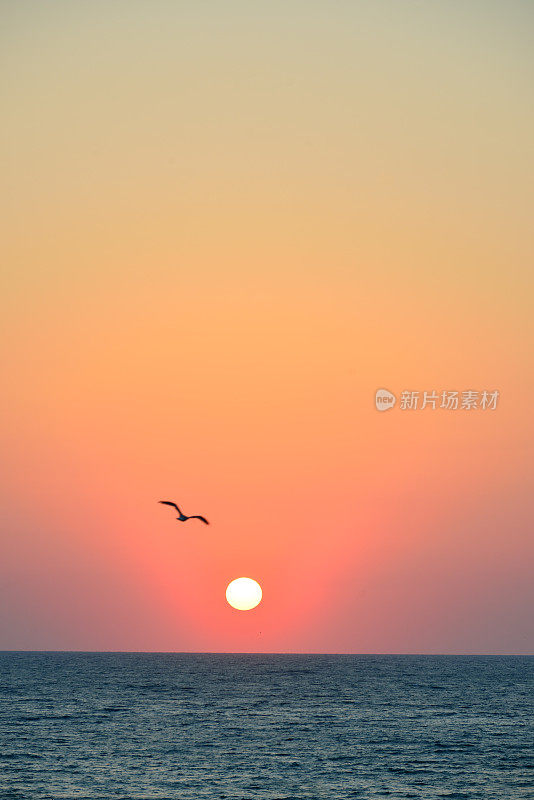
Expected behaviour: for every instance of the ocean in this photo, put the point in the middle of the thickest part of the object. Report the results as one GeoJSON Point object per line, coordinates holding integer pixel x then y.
{"type": "Point", "coordinates": [275, 727]}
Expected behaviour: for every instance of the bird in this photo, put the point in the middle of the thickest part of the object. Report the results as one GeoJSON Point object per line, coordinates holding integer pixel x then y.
{"type": "Point", "coordinates": [183, 517]}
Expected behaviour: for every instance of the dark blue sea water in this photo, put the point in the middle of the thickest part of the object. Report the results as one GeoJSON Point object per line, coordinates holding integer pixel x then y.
{"type": "Point", "coordinates": [89, 725]}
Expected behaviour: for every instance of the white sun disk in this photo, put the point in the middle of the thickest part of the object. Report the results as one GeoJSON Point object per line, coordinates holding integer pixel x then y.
{"type": "Point", "coordinates": [243, 593]}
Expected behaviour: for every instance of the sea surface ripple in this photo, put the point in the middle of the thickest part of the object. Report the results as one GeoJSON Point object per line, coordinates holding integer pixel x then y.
{"type": "Point", "coordinates": [275, 727]}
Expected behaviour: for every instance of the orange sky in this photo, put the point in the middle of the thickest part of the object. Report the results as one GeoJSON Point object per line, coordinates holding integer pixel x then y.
{"type": "Point", "coordinates": [226, 226]}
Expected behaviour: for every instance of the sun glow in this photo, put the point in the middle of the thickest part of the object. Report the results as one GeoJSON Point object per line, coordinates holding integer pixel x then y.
{"type": "Point", "coordinates": [243, 593]}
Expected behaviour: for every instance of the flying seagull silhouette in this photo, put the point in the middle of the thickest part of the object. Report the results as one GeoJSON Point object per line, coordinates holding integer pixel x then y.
{"type": "Point", "coordinates": [182, 517]}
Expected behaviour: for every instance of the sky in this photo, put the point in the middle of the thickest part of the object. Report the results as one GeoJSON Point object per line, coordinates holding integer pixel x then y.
{"type": "Point", "coordinates": [224, 226]}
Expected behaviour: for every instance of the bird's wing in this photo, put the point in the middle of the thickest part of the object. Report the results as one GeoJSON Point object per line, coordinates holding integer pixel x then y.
{"type": "Point", "coordinates": [168, 503]}
{"type": "Point", "coordinates": [197, 516]}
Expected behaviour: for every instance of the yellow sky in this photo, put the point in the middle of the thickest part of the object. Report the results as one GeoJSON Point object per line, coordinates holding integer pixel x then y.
{"type": "Point", "coordinates": [224, 226]}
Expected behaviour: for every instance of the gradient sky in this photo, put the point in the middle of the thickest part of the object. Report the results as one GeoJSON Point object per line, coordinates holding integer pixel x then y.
{"type": "Point", "coordinates": [224, 226]}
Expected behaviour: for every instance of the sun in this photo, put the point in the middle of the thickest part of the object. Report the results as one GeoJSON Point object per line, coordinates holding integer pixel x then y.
{"type": "Point", "coordinates": [244, 593]}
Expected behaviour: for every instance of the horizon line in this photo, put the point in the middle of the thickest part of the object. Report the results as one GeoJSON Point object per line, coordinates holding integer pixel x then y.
{"type": "Point", "coordinates": [269, 653]}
